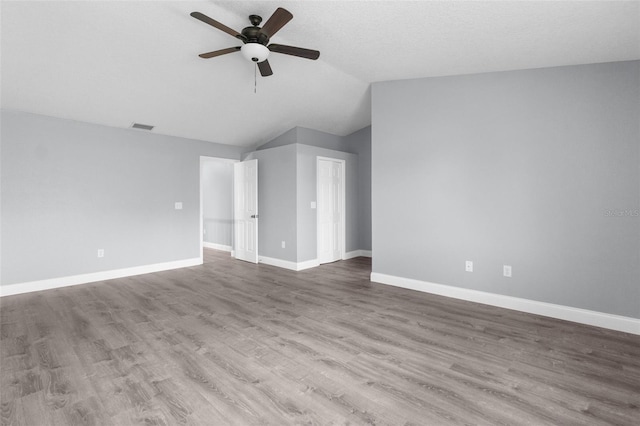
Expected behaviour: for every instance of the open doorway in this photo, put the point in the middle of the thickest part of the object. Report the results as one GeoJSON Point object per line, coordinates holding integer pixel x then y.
{"type": "Point", "coordinates": [216, 203]}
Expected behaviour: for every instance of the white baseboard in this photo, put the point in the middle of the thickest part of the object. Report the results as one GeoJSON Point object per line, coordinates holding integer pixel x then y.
{"type": "Point", "coordinates": [300, 266]}
{"type": "Point", "coordinates": [287, 264]}
{"type": "Point", "coordinates": [307, 264]}
{"type": "Point", "coordinates": [27, 287]}
{"type": "Point", "coordinates": [216, 246]}
{"type": "Point", "coordinates": [356, 253]}
{"type": "Point", "coordinates": [568, 313]}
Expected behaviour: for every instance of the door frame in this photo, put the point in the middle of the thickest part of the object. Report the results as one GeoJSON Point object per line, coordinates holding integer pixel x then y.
{"type": "Point", "coordinates": [205, 159]}
{"type": "Point", "coordinates": [343, 218]}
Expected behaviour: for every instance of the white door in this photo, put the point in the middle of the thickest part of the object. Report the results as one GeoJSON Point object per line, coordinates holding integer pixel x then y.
{"type": "Point", "coordinates": [330, 210]}
{"type": "Point", "coordinates": [245, 181]}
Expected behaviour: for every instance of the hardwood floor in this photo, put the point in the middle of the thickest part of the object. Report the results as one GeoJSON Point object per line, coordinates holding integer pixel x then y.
{"type": "Point", "coordinates": [235, 343]}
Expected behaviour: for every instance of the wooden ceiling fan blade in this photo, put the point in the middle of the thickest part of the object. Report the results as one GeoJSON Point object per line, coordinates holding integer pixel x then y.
{"type": "Point", "coordinates": [295, 51]}
{"type": "Point", "coordinates": [219, 52]}
{"type": "Point", "coordinates": [204, 18]}
{"type": "Point", "coordinates": [278, 20]}
{"type": "Point", "coordinates": [265, 68]}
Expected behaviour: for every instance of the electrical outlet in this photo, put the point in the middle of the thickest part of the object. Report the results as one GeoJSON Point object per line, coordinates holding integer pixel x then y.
{"type": "Point", "coordinates": [468, 266]}
{"type": "Point", "coordinates": [283, 244]}
{"type": "Point", "coordinates": [100, 252]}
{"type": "Point", "coordinates": [506, 270]}
{"type": "Point", "coordinates": [178, 205]}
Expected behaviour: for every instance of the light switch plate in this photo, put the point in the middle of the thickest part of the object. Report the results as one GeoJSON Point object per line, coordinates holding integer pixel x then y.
{"type": "Point", "coordinates": [313, 204]}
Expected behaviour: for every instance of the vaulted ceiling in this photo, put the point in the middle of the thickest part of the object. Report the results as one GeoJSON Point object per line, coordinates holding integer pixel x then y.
{"type": "Point", "coordinates": [119, 62]}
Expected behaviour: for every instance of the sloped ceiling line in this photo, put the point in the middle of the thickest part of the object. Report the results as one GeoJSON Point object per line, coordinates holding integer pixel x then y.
{"type": "Point", "coordinates": [114, 63]}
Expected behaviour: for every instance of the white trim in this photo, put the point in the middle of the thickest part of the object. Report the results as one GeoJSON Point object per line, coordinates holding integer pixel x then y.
{"type": "Point", "coordinates": [201, 207]}
{"type": "Point", "coordinates": [308, 264]}
{"type": "Point", "coordinates": [27, 287]}
{"type": "Point", "coordinates": [216, 246]}
{"type": "Point", "coordinates": [356, 253]}
{"type": "Point", "coordinates": [287, 264]}
{"type": "Point", "coordinates": [568, 313]}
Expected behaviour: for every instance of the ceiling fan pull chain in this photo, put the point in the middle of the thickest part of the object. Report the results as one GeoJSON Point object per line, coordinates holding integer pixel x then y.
{"type": "Point", "coordinates": [255, 79]}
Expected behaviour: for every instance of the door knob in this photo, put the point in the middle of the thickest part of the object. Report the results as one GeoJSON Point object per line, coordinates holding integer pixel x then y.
{"type": "Point", "coordinates": [254, 216]}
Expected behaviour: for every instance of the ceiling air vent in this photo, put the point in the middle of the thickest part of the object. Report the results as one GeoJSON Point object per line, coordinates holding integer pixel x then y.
{"type": "Point", "coordinates": [141, 126]}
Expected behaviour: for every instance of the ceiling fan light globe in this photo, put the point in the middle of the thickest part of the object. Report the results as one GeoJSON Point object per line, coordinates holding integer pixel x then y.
{"type": "Point", "coordinates": [255, 52]}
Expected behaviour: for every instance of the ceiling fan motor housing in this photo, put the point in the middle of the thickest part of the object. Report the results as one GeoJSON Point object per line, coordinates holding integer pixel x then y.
{"type": "Point", "coordinates": [255, 48]}
{"type": "Point", "coordinates": [254, 35]}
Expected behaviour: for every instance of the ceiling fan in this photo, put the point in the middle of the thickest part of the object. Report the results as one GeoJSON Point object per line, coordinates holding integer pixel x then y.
{"type": "Point", "coordinates": [256, 46]}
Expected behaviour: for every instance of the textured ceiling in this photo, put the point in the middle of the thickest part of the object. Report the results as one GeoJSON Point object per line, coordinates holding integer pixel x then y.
{"type": "Point", "coordinates": [119, 62]}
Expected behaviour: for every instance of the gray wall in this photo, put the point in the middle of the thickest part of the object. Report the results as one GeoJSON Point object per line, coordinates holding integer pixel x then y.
{"type": "Point", "coordinates": [287, 138]}
{"type": "Point", "coordinates": [70, 188]}
{"type": "Point", "coordinates": [307, 136]}
{"type": "Point", "coordinates": [286, 188]}
{"type": "Point", "coordinates": [277, 202]}
{"type": "Point", "coordinates": [217, 201]}
{"type": "Point", "coordinates": [360, 143]}
{"type": "Point", "coordinates": [307, 191]}
{"type": "Point", "coordinates": [533, 169]}
{"type": "Point", "coordinates": [321, 139]}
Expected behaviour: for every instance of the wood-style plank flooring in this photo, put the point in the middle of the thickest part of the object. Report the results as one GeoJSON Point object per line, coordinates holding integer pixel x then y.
{"type": "Point", "coordinates": [234, 343]}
